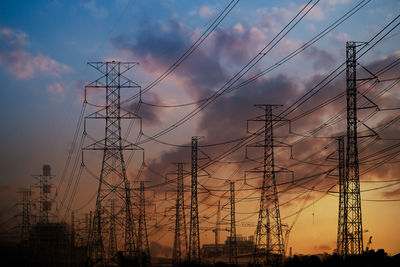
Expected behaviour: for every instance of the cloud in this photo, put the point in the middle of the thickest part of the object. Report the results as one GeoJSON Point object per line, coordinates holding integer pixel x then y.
{"type": "Point", "coordinates": [148, 114]}
{"type": "Point", "coordinates": [98, 12]}
{"type": "Point", "coordinates": [206, 11]}
{"type": "Point", "coordinates": [322, 59]}
{"type": "Point", "coordinates": [56, 90]}
{"type": "Point", "coordinates": [391, 194]}
{"type": "Point", "coordinates": [159, 45]}
{"type": "Point", "coordinates": [20, 63]}
{"type": "Point", "coordinates": [316, 14]}
{"type": "Point", "coordinates": [337, 2]}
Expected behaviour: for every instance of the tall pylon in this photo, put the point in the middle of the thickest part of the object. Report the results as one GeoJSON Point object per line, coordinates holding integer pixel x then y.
{"type": "Point", "coordinates": [113, 182]}
{"type": "Point", "coordinates": [194, 234]}
{"type": "Point", "coordinates": [26, 207]}
{"type": "Point", "coordinates": [180, 238]}
{"type": "Point", "coordinates": [143, 241]}
{"type": "Point", "coordinates": [233, 257]}
{"type": "Point", "coordinates": [217, 229]}
{"type": "Point", "coordinates": [112, 240]}
{"type": "Point", "coordinates": [269, 246]}
{"type": "Point", "coordinates": [341, 168]}
{"type": "Point", "coordinates": [353, 234]}
{"type": "Point", "coordinates": [45, 200]}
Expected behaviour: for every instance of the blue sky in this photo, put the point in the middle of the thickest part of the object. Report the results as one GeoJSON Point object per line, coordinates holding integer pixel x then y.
{"type": "Point", "coordinates": [45, 45]}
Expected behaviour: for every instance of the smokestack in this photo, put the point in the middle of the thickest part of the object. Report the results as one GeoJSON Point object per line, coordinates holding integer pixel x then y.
{"type": "Point", "coordinates": [46, 170]}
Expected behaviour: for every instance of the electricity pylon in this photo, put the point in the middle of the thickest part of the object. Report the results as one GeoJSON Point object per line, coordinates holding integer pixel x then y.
{"type": "Point", "coordinates": [143, 241]}
{"type": "Point", "coordinates": [113, 182]}
{"type": "Point", "coordinates": [217, 230]}
{"type": "Point", "coordinates": [269, 246]}
{"type": "Point", "coordinates": [233, 257]}
{"type": "Point", "coordinates": [180, 239]}
{"type": "Point", "coordinates": [26, 206]}
{"type": "Point", "coordinates": [112, 240]}
{"type": "Point", "coordinates": [194, 234]}
{"type": "Point", "coordinates": [45, 200]}
{"type": "Point", "coordinates": [352, 224]}
{"type": "Point", "coordinates": [341, 167]}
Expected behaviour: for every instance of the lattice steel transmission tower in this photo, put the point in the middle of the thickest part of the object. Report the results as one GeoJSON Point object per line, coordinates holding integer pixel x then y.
{"type": "Point", "coordinates": [194, 234]}
{"type": "Point", "coordinates": [113, 182]}
{"type": "Point", "coordinates": [341, 168]}
{"type": "Point", "coordinates": [26, 206]}
{"type": "Point", "coordinates": [269, 246]}
{"type": "Point", "coordinates": [143, 241]}
{"type": "Point", "coordinates": [352, 224]}
{"type": "Point", "coordinates": [45, 200]}
{"type": "Point", "coordinates": [180, 239]}
{"type": "Point", "coordinates": [112, 234]}
{"type": "Point", "coordinates": [218, 224]}
{"type": "Point", "coordinates": [232, 239]}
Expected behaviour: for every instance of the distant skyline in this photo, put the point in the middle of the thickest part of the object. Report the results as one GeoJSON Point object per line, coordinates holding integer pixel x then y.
{"type": "Point", "coordinates": [44, 50]}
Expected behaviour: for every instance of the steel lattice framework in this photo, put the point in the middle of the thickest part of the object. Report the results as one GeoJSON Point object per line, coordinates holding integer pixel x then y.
{"type": "Point", "coordinates": [180, 239]}
{"type": "Point", "coordinates": [341, 168]}
{"type": "Point", "coordinates": [143, 241]}
{"type": "Point", "coordinates": [352, 224]}
{"type": "Point", "coordinates": [194, 234]}
{"type": "Point", "coordinates": [26, 206]}
{"type": "Point", "coordinates": [269, 246]}
{"type": "Point", "coordinates": [113, 183]}
{"type": "Point", "coordinates": [45, 199]}
{"type": "Point", "coordinates": [233, 257]}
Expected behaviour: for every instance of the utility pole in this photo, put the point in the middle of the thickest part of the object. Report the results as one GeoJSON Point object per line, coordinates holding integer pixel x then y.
{"type": "Point", "coordinates": [113, 182]}
{"type": "Point", "coordinates": [269, 246]}
{"type": "Point", "coordinates": [341, 167]}
{"type": "Point", "coordinates": [180, 238]}
{"type": "Point", "coordinates": [353, 235]}
{"type": "Point", "coordinates": [26, 206]}
{"type": "Point", "coordinates": [194, 237]}
{"type": "Point", "coordinates": [143, 242]}
{"type": "Point", "coordinates": [232, 240]}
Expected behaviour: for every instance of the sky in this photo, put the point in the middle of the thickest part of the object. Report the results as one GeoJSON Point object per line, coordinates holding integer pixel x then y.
{"type": "Point", "coordinates": [44, 50]}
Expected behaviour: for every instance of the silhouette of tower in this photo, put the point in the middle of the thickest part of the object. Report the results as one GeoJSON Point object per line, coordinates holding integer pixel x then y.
{"type": "Point", "coordinates": [353, 235]}
{"type": "Point", "coordinates": [194, 238]}
{"type": "Point", "coordinates": [26, 206]}
{"type": "Point", "coordinates": [112, 240]}
{"type": "Point", "coordinates": [143, 242]}
{"type": "Point", "coordinates": [113, 183]}
{"type": "Point", "coordinates": [180, 239]}
{"type": "Point", "coordinates": [45, 200]}
{"type": "Point", "coordinates": [232, 238]}
{"type": "Point", "coordinates": [218, 225]}
{"type": "Point", "coordinates": [341, 168]}
{"type": "Point", "coordinates": [269, 246]}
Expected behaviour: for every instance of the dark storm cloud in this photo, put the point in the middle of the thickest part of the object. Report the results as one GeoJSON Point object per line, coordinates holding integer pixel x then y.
{"type": "Point", "coordinates": [148, 114]}
{"type": "Point", "coordinates": [321, 59]}
{"type": "Point", "coordinates": [162, 41]}
{"type": "Point", "coordinates": [227, 117]}
{"type": "Point", "coordinates": [157, 46]}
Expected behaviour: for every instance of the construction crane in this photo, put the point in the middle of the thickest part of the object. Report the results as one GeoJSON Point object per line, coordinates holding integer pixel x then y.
{"type": "Point", "coordinates": [369, 243]}
{"type": "Point", "coordinates": [287, 233]}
